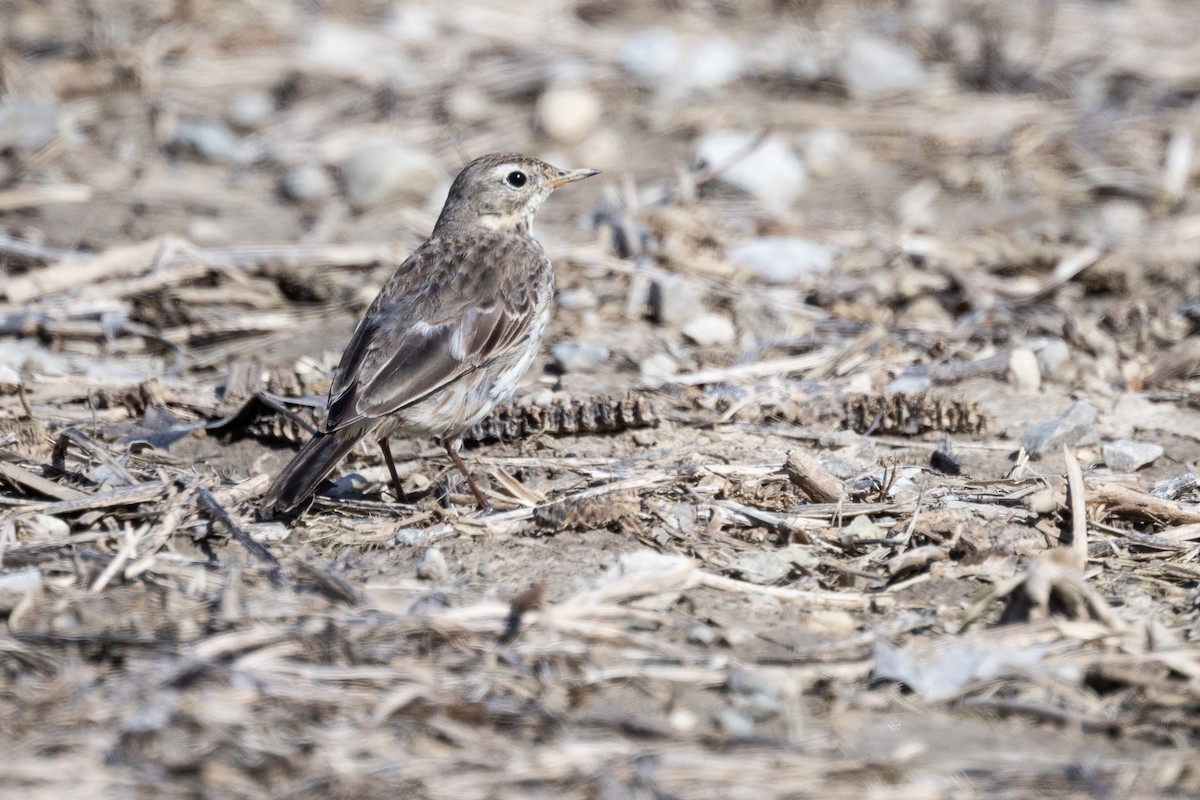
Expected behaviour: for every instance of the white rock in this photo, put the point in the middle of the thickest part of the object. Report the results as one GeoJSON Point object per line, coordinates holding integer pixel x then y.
{"type": "Point", "coordinates": [27, 122]}
{"type": "Point", "coordinates": [768, 171]}
{"type": "Point", "coordinates": [579, 356]}
{"type": "Point", "coordinates": [567, 114]}
{"type": "Point", "coordinates": [306, 184]}
{"type": "Point", "coordinates": [206, 232]}
{"type": "Point", "coordinates": [40, 527]}
{"type": "Point", "coordinates": [661, 60]}
{"type": "Point", "coordinates": [674, 299]}
{"type": "Point", "coordinates": [710, 330]}
{"type": "Point", "coordinates": [576, 299]}
{"type": "Point", "coordinates": [432, 566]}
{"type": "Point", "coordinates": [1024, 373]}
{"type": "Point", "coordinates": [650, 56]}
{"type": "Point", "coordinates": [268, 531]}
{"type": "Point", "coordinates": [657, 368]}
{"type": "Point", "coordinates": [16, 585]}
{"type": "Point", "coordinates": [872, 67]}
{"type": "Point", "coordinates": [205, 139]}
{"type": "Point", "coordinates": [10, 379]}
{"type": "Point", "coordinates": [712, 64]}
{"type": "Point", "coordinates": [249, 109]}
{"type": "Point", "coordinates": [1052, 355]}
{"type": "Point", "coordinates": [1074, 424]}
{"type": "Point", "coordinates": [825, 151]}
{"type": "Point", "coordinates": [1126, 456]}
{"type": "Point", "coordinates": [783, 259]}
{"type": "Point", "coordinates": [383, 172]}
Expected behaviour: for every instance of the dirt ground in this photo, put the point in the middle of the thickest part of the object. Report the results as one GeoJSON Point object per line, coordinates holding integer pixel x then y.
{"type": "Point", "coordinates": [905, 507]}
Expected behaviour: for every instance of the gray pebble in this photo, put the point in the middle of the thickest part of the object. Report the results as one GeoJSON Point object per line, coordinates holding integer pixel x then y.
{"type": "Point", "coordinates": [1126, 456]}
{"type": "Point", "coordinates": [205, 139]}
{"type": "Point", "coordinates": [651, 55]}
{"type": "Point", "coordinates": [657, 368]}
{"type": "Point", "coordinates": [874, 67]}
{"type": "Point", "coordinates": [382, 172]}
{"type": "Point", "coordinates": [710, 330]}
{"type": "Point", "coordinates": [768, 170]}
{"type": "Point", "coordinates": [702, 635]}
{"type": "Point", "coordinates": [568, 114]}
{"type": "Point", "coordinates": [579, 356]}
{"type": "Point", "coordinates": [432, 566]}
{"type": "Point", "coordinates": [1051, 356]}
{"type": "Point", "coordinates": [10, 379]}
{"type": "Point", "coordinates": [674, 300]}
{"type": "Point", "coordinates": [908, 384]}
{"type": "Point", "coordinates": [783, 259]}
{"type": "Point", "coordinates": [27, 122]}
{"type": "Point", "coordinates": [249, 109]}
{"type": "Point", "coordinates": [306, 184]}
{"type": "Point", "coordinates": [734, 724]}
{"type": "Point", "coordinates": [16, 585]}
{"type": "Point", "coordinates": [576, 299]}
{"type": "Point", "coordinates": [1068, 429]}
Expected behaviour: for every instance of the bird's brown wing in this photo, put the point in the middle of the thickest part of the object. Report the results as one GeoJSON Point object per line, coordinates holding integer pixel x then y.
{"type": "Point", "coordinates": [446, 311]}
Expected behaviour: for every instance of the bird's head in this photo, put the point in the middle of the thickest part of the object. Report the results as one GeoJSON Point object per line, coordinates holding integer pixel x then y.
{"type": "Point", "coordinates": [503, 191]}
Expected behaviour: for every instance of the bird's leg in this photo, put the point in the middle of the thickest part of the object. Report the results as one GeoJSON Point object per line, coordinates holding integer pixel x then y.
{"type": "Point", "coordinates": [452, 451]}
{"type": "Point", "coordinates": [391, 465]}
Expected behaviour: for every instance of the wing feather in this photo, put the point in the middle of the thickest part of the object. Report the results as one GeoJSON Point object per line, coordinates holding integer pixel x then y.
{"type": "Point", "coordinates": [435, 320]}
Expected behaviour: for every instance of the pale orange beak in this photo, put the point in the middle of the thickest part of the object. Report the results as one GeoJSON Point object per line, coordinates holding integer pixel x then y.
{"type": "Point", "coordinates": [569, 175]}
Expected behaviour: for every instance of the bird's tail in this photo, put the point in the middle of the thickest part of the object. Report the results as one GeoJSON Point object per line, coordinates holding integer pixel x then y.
{"type": "Point", "coordinates": [304, 473]}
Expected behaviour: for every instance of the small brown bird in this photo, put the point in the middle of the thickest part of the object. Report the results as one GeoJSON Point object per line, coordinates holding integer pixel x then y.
{"type": "Point", "coordinates": [450, 333]}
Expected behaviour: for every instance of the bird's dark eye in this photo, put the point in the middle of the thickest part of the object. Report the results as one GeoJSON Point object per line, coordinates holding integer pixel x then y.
{"type": "Point", "coordinates": [516, 179]}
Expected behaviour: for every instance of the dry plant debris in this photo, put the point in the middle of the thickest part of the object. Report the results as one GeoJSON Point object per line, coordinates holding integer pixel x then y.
{"type": "Point", "coordinates": [868, 468]}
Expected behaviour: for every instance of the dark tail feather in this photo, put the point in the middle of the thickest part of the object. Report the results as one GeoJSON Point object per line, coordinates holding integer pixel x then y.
{"type": "Point", "coordinates": [301, 477]}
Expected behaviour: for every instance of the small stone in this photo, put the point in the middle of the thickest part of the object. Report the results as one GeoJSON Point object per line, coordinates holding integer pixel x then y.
{"type": "Point", "coordinates": [702, 635]}
{"type": "Point", "coordinates": [874, 67]}
{"type": "Point", "coordinates": [384, 172]}
{"type": "Point", "coordinates": [651, 55]}
{"type": "Point", "coordinates": [579, 356]}
{"type": "Point", "coordinates": [734, 724]}
{"type": "Point", "coordinates": [1052, 355]}
{"type": "Point", "coordinates": [15, 586]}
{"type": "Point", "coordinates": [1126, 456]}
{"type": "Point", "coordinates": [761, 567]}
{"type": "Point", "coordinates": [576, 300]}
{"type": "Point", "coordinates": [1024, 373]}
{"type": "Point", "coordinates": [709, 65]}
{"type": "Point", "coordinates": [27, 122]}
{"type": "Point", "coordinates": [468, 104]}
{"type": "Point", "coordinates": [710, 330]}
{"type": "Point", "coordinates": [567, 114]}
{"type": "Point", "coordinates": [783, 259]}
{"type": "Point", "coordinates": [432, 566]}
{"type": "Point", "coordinates": [766, 170]}
{"type": "Point", "coordinates": [206, 232]}
{"type": "Point", "coordinates": [657, 368]}
{"type": "Point", "coordinates": [268, 531]}
{"type": "Point", "coordinates": [306, 184]}
{"type": "Point", "coordinates": [674, 300]}
{"type": "Point", "coordinates": [249, 109]}
{"type": "Point", "coordinates": [926, 313]}
{"type": "Point", "coordinates": [1070, 428]}
{"type": "Point", "coordinates": [42, 527]}
{"type": "Point", "coordinates": [825, 151]}
{"type": "Point", "coordinates": [861, 529]}
{"type": "Point", "coordinates": [908, 384]}
{"type": "Point", "coordinates": [10, 379]}
{"type": "Point", "coordinates": [205, 139]}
